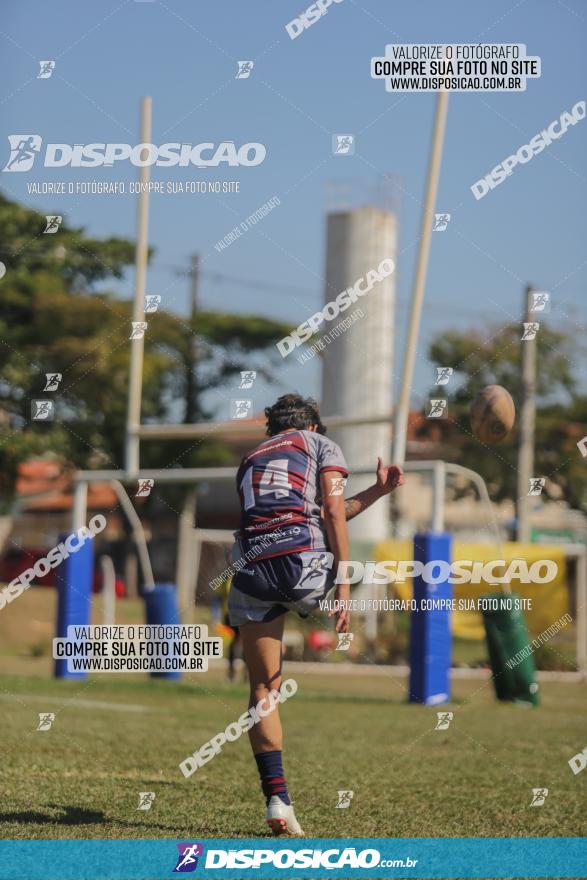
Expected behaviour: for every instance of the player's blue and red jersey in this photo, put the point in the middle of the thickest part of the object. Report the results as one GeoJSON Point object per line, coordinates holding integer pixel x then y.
{"type": "Point", "coordinates": [279, 489]}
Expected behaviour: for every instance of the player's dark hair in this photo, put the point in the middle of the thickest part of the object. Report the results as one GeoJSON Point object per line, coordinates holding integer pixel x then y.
{"type": "Point", "coordinates": [293, 411]}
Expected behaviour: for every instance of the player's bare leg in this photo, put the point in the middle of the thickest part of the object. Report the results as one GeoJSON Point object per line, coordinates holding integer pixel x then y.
{"type": "Point", "coordinates": [262, 651]}
{"type": "Point", "coordinates": [263, 654]}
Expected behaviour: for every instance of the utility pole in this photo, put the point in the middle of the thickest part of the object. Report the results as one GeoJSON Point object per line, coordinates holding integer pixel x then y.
{"type": "Point", "coordinates": [192, 359]}
{"type": "Point", "coordinates": [195, 277]}
{"type": "Point", "coordinates": [527, 420]}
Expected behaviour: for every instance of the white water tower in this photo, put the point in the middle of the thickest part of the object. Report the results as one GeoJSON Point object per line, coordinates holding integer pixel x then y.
{"type": "Point", "coordinates": [357, 365]}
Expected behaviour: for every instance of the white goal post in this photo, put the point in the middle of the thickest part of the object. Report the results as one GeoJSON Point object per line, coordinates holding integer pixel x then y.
{"type": "Point", "coordinates": [191, 539]}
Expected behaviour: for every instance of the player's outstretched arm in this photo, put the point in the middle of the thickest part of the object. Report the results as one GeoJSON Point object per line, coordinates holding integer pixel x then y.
{"type": "Point", "coordinates": [389, 477]}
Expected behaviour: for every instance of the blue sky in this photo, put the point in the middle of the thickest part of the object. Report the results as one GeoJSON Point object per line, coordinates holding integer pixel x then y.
{"type": "Point", "coordinates": [531, 228]}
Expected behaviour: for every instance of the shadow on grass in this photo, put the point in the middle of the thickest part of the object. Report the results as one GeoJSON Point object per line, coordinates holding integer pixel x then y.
{"type": "Point", "coordinates": [70, 816]}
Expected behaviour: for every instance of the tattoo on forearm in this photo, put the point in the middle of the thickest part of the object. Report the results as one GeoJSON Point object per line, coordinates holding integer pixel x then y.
{"type": "Point", "coordinates": [352, 507]}
{"type": "Point", "coordinates": [361, 501]}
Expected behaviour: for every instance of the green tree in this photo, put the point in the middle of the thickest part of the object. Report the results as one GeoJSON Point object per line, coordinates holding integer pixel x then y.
{"type": "Point", "coordinates": [55, 317]}
{"type": "Point", "coordinates": [495, 357]}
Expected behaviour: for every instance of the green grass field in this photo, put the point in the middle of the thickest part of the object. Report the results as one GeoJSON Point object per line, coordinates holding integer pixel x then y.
{"type": "Point", "coordinates": [116, 736]}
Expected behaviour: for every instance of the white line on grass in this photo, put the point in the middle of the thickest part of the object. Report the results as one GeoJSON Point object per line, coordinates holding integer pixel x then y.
{"type": "Point", "coordinates": [83, 704]}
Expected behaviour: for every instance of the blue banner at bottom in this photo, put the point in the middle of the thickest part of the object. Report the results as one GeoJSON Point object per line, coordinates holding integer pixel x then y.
{"type": "Point", "coordinates": [294, 857]}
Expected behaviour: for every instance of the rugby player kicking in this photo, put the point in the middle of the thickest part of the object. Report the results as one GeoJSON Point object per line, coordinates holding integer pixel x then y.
{"type": "Point", "coordinates": [293, 528]}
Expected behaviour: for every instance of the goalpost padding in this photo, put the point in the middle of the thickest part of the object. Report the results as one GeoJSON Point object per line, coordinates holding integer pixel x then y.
{"type": "Point", "coordinates": [161, 608]}
{"type": "Point", "coordinates": [74, 600]}
{"type": "Point", "coordinates": [430, 640]}
{"type": "Point", "coordinates": [510, 654]}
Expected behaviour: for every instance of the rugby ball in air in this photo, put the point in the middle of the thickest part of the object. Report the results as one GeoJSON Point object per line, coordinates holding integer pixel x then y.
{"type": "Point", "coordinates": [493, 414]}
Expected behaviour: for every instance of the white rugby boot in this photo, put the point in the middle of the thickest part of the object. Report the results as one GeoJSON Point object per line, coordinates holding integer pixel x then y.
{"type": "Point", "coordinates": [281, 818]}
